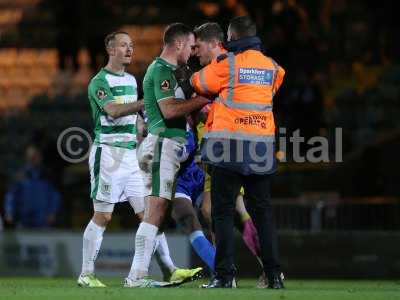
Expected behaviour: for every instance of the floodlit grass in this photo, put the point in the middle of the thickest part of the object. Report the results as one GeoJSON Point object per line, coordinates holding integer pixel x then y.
{"type": "Point", "coordinates": [66, 288]}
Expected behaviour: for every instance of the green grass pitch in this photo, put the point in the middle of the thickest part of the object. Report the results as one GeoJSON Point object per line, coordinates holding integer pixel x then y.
{"type": "Point", "coordinates": [66, 288]}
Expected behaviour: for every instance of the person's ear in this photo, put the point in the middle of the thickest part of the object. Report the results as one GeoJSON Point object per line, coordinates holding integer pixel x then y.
{"type": "Point", "coordinates": [179, 43]}
{"type": "Point", "coordinates": [214, 44]}
{"type": "Point", "coordinates": [111, 51]}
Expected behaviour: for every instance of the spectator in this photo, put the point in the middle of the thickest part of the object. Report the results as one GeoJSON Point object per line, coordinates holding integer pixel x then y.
{"type": "Point", "coordinates": [68, 25]}
{"type": "Point", "coordinates": [98, 15]}
{"type": "Point", "coordinates": [32, 201]}
{"type": "Point", "coordinates": [306, 108]}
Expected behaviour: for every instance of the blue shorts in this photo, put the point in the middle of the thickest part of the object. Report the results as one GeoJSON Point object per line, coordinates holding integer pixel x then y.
{"type": "Point", "coordinates": [190, 184]}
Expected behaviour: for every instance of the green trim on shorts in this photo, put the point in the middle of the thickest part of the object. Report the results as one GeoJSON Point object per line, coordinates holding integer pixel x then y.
{"type": "Point", "coordinates": [129, 128]}
{"type": "Point", "coordinates": [155, 168]}
{"type": "Point", "coordinates": [96, 171]}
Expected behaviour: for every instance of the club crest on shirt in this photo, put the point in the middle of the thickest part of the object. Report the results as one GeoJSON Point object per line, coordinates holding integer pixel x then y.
{"type": "Point", "coordinates": [165, 85]}
{"type": "Point", "coordinates": [168, 186]}
{"type": "Point", "coordinates": [101, 94]}
{"type": "Point", "coordinates": [105, 188]}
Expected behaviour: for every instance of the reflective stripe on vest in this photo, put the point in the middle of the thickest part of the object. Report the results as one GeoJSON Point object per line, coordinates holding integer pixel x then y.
{"type": "Point", "coordinates": [226, 134]}
{"type": "Point", "coordinates": [231, 81]}
{"type": "Point", "coordinates": [229, 102]}
{"type": "Point", "coordinates": [203, 83]}
{"type": "Point", "coordinates": [247, 106]}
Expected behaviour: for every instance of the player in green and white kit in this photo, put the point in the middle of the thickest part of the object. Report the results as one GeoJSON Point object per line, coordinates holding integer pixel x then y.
{"type": "Point", "coordinates": [158, 155]}
{"type": "Point", "coordinates": [114, 169]}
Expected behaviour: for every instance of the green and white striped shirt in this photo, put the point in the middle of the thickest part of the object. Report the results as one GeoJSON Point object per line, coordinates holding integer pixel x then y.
{"type": "Point", "coordinates": [108, 87]}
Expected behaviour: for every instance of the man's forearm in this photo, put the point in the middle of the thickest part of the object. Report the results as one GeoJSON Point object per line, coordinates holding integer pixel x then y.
{"type": "Point", "coordinates": [173, 108]}
{"type": "Point", "coordinates": [116, 110]}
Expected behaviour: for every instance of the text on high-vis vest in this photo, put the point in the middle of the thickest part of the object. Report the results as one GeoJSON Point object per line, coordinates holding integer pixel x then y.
{"type": "Point", "coordinates": [255, 76]}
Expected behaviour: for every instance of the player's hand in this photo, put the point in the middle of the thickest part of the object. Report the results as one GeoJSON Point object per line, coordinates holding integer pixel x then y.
{"type": "Point", "coordinates": [182, 75]}
{"type": "Point", "coordinates": [183, 72]}
{"type": "Point", "coordinates": [183, 154]}
{"type": "Point", "coordinates": [205, 111]}
{"type": "Point", "coordinates": [143, 114]}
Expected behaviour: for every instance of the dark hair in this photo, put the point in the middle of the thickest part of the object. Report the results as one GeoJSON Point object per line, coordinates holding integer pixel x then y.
{"type": "Point", "coordinates": [243, 26]}
{"type": "Point", "coordinates": [175, 30]}
{"type": "Point", "coordinates": [111, 37]}
{"type": "Point", "coordinates": [209, 31]}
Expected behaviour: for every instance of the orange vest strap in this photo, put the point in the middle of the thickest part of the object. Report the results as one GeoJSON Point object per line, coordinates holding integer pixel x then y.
{"type": "Point", "coordinates": [231, 81]}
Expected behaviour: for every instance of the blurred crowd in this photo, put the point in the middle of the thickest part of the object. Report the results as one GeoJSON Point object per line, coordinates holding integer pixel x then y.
{"type": "Point", "coordinates": [341, 58]}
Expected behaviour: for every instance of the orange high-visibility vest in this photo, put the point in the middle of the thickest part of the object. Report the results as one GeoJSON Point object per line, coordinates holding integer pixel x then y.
{"type": "Point", "coordinates": [246, 84]}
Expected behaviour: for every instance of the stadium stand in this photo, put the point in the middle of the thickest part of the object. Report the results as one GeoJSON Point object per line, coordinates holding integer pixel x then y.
{"type": "Point", "coordinates": [337, 72]}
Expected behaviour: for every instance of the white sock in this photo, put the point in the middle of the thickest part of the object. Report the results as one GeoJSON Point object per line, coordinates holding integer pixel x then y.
{"type": "Point", "coordinates": [92, 238]}
{"type": "Point", "coordinates": [144, 247]}
{"type": "Point", "coordinates": [163, 252]}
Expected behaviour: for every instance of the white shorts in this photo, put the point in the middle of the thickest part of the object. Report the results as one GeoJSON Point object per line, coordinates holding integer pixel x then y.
{"type": "Point", "coordinates": [115, 175]}
{"type": "Point", "coordinates": [106, 207]}
{"type": "Point", "coordinates": [159, 160]}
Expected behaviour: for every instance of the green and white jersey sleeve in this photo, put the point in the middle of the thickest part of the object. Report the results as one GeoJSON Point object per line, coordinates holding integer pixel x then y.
{"type": "Point", "coordinates": [160, 84]}
{"type": "Point", "coordinates": [108, 87]}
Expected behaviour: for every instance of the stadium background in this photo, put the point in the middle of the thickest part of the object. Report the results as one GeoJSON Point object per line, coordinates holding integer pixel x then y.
{"type": "Point", "coordinates": [342, 62]}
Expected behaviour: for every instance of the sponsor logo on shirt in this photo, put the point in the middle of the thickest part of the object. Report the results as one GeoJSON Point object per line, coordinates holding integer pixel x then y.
{"type": "Point", "coordinates": [252, 120]}
{"type": "Point", "coordinates": [255, 76]}
{"type": "Point", "coordinates": [165, 85]}
{"type": "Point", "coordinates": [101, 93]}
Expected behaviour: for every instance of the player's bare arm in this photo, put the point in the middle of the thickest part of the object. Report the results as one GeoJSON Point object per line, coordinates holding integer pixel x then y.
{"type": "Point", "coordinates": [117, 110]}
{"type": "Point", "coordinates": [174, 108]}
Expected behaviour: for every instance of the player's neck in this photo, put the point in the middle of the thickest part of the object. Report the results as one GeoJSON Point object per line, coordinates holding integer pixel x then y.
{"type": "Point", "coordinates": [217, 51]}
{"type": "Point", "coordinates": [215, 54]}
{"type": "Point", "coordinates": [115, 68]}
{"type": "Point", "coordinates": [169, 55]}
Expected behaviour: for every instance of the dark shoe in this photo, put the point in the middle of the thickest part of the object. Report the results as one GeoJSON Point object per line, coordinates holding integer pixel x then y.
{"type": "Point", "coordinates": [275, 282]}
{"type": "Point", "coordinates": [220, 283]}
{"type": "Point", "coordinates": [263, 281]}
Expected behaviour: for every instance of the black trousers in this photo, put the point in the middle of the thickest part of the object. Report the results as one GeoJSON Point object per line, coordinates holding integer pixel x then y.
{"type": "Point", "coordinates": [225, 186]}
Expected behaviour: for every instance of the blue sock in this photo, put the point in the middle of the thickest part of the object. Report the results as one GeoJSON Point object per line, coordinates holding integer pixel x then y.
{"type": "Point", "coordinates": [204, 249]}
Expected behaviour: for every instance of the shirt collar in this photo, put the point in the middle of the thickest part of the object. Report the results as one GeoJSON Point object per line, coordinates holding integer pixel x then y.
{"type": "Point", "coordinates": [165, 63]}
{"type": "Point", "coordinates": [244, 44]}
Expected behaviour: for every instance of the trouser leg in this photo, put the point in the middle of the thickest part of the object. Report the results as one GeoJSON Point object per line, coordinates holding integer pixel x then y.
{"type": "Point", "coordinates": [258, 203]}
{"type": "Point", "coordinates": [225, 186]}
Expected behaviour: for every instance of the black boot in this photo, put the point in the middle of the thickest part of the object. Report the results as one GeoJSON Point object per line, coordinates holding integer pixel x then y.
{"type": "Point", "coordinates": [220, 283]}
{"type": "Point", "coordinates": [275, 282]}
